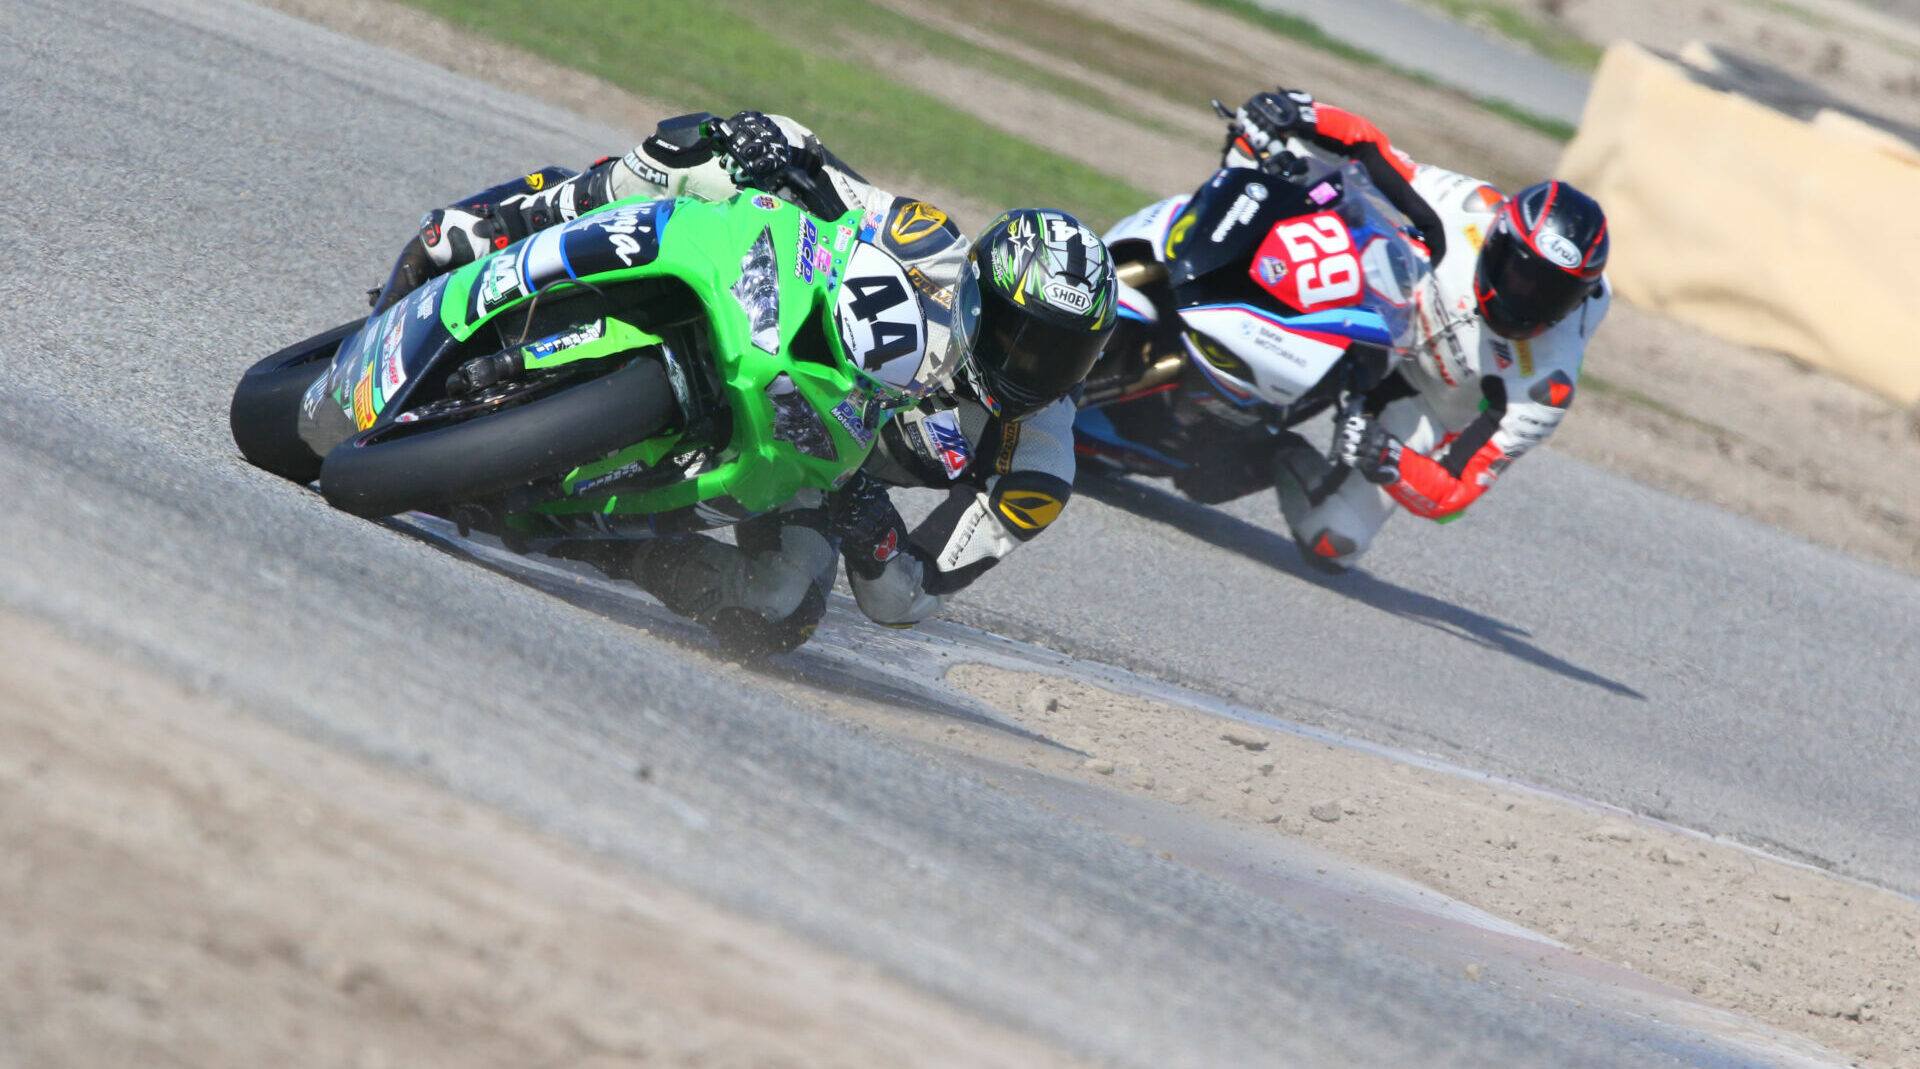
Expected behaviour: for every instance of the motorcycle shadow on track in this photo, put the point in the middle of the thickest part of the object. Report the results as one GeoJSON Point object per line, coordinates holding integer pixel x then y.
{"type": "Point", "coordinates": [1278, 552]}
{"type": "Point", "coordinates": [841, 659]}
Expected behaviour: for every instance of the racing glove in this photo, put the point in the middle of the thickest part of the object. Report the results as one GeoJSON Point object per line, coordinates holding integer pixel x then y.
{"type": "Point", "coordinates": [870, 531]}
{"type": "Point", "coordinates": [1362, 444]}
{"type": "Point", "coordinates": [1267, 118]}
{"type": "Point", "coordinates": [758, 148]}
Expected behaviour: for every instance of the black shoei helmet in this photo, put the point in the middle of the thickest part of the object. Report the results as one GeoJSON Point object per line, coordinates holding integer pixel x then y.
{"type": "Point", "coordinates": [1034, 305]}
{"type": "Point", "coordinates": [1543, 257]}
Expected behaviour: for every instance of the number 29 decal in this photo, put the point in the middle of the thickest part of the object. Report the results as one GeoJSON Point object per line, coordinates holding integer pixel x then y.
{"type": "Point", "coordinates": [1320, 268]}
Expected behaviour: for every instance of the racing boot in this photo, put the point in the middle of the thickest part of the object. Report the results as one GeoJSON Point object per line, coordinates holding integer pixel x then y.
{"type": "Point", "coordinates": [1303, 480]}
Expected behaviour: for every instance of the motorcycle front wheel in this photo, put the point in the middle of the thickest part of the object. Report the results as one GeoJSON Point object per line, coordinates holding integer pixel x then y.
{"type": "Point", "coordinates": [390, 469]}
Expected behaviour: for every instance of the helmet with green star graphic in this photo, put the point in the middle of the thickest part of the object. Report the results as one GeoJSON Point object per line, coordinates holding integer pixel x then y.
{"type": "Point", "coordinates": [1033, 306]}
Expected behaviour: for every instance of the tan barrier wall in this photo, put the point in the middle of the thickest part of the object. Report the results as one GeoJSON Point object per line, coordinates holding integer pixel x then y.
{"type": "Point", "coordinates": [1798, 237]}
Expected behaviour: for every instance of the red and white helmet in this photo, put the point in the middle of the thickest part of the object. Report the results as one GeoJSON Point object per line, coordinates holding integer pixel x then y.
{"type": "Point", "coordinates": [1543, 257]}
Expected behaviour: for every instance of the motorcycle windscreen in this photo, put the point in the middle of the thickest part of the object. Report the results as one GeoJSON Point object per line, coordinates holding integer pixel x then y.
{"type": "Point", "coordinates": [1226, 220]}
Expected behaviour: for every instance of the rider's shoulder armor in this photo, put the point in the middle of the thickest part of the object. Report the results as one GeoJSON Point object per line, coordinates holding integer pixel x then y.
{"type": "Point", "coordinates": [914, 230]}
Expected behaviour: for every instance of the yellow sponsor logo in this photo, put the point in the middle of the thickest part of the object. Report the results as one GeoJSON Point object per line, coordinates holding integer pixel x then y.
{"type": "Point", "coordinates": [1009, 443]}
{"type": "Point", "coordinates": [1030, 510]}
{"type": "Point", "coordinates": [1178, 235]}
{"type": "Point", "coordinates": [1474, 237]}
{"type": "Point", "coordinates": [363, 414]}
{"type": "Point", "coordinates": [942, 295]}
{"type": "Point", "coordinates": [536, 182]}
{"type": "Point", "coordinates": [1525, 349]}
{"type": "Point", "coordinates": [915, 220]}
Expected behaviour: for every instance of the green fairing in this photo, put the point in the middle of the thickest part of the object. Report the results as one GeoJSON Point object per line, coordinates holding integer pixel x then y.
{"type": "Point", "coordinates": [704, 245]}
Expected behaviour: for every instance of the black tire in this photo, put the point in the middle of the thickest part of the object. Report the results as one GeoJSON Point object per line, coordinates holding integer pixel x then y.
{"type": "Point", "coordinates": [265, 414]}
{"type": "Point", "coordinates": [369, 475]}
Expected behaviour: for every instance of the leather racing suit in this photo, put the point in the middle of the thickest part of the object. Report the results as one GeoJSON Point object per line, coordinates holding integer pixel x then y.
{"type": "Point", "coordinates": [1466, 403]}
{"type": "Point", "coordinates": [1006, 481]}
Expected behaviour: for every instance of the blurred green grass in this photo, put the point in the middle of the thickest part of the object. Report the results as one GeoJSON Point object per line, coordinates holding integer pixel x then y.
{"type": "Point", "coordinates": [1566, 49]}
{"type": "Point", "coordinates": [790, 58]}
{"type": "Point", "coordinates": [821, 61]}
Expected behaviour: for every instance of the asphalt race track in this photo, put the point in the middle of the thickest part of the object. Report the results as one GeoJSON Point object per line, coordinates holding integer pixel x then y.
{"type": "Point", "coordinates": [195, 183]}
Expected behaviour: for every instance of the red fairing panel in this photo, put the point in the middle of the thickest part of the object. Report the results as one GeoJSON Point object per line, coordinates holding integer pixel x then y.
{"type": "Point", "coordinates": [1426, 488]}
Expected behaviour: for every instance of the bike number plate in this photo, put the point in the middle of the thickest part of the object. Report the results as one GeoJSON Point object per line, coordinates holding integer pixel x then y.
{"type": "Point", "coordinates": [1309, 263]}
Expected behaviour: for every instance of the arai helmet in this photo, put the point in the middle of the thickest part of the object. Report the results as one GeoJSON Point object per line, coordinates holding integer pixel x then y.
{"type": "Point", "coordinates": [1542, 257]}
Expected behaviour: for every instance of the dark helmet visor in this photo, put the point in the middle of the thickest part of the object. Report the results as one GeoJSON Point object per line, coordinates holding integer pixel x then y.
{"type": "Point", "coordinates": [1025, 361]}
{"type": "Point", "coordinates": [1520, 293]}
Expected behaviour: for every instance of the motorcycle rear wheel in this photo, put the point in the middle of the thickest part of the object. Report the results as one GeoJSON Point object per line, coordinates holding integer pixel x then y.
{"type": "Point", "coordinates": [265, 414]}
{"type": "Point", "coordinates": [377, 474]}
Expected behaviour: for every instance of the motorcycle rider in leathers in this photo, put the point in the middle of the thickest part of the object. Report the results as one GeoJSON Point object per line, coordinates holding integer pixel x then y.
{"type": "Point", "coordinates": [1504, 325]}
{"type": "Point", "coordinates": [1028, 306]}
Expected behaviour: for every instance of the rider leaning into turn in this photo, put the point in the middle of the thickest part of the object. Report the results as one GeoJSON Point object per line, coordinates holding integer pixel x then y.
{"type": "Point", "coordinates": [1503, 332]}
{"type": "Point", "coordinates": [1028, 305]}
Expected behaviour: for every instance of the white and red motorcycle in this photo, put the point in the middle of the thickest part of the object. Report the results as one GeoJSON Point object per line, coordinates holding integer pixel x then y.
{"type": "Point", "coordinates": [1266, 297]}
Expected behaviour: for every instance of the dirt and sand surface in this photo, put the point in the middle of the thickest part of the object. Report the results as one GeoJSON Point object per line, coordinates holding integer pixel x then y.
{"type": "Point", "coordinates": [181, 885]}
{"type": "Point", "coordinates": [195, 888]}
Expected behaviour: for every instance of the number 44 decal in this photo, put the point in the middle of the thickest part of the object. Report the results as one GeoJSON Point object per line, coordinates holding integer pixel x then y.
{"type": "Point", "coordinates": [881, 324]}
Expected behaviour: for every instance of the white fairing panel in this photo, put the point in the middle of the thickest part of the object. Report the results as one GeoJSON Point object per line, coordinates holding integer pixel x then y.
{"type": "Point", "coordinates": [1150, 224]}
{"type": "Point", "coordinates": [1284, 363]}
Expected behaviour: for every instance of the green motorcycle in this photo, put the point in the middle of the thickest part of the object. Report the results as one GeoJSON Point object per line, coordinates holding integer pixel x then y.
{"type": "Point", "coordinates": [651, 368]}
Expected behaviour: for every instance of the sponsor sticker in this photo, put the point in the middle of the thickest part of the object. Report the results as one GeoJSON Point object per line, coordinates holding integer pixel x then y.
{"type": "Point", "coordinates": [1243, 210]}
{"type": "Point", "coordinates": [915, 220]}
{"type": "Point", "coordinates": [547, 347]}
{"type": "Point", "coordinates": [536, 181]}
{"type": "Point", "coordinates": [363, 413]}
{"type": "Point", "coordinates": [1559, 251]}
{"type": "Point", "coordinates": [848, 415]}
{"type": "Point", "coordinates": [1322, 193]}
{"type": "Point", "coordinates": [803, 264]}
{"type": "Point", "coordinates": [1030, 510]}
{"type": "Point", "coordinates": [842, 237]}
{"type": "Point", "coordinates": [310, 404]}
{"type": "Point", "coordinates": [644, 169]}
{"type": "Point", "coordinates": [1177, 234]}
{"type": "Point", "coordinates": [950, 446]}
{"type": "Point", "coordinates": [766, 201]}
{"type": "Point", "coordinates": [1555, 391]}
{"type": "Point", "coordinates": [500, 284]}
{"type": "Point", "coordinates": [887, 548]}
{"type": "Point", "coordinates": [940, 295]}
{"type": "Point", "coordinates": [393, 375]}
{"type": "Point", "coordinates": [1073, 298]}
{"type": "Point", "coordinates": [390, 345]}
{"type": "Point", "coordinates": [1009, 444]}
{"type": "Point", "coordinates": [1272, 270]}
